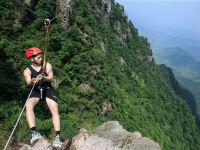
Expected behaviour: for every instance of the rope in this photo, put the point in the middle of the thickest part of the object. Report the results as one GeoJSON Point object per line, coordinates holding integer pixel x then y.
{"type": "Point", "coordinates": [47, 25]}
{"type": "Point", "coordinates": [18, 119]}
{"type": "Point", "coordinates": [54, 18]}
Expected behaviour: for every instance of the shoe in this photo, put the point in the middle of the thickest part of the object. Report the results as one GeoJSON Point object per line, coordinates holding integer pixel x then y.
{"type": "Point", "coordinates": [57, 142]}
{"type": "Point", "coordinates": [35, 137]}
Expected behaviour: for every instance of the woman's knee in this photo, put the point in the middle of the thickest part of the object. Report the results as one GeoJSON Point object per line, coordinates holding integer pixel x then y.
{"type": "Point", "coordinates": [30, 103]}
{"type": "Point", "coordinates": [54, 110]}
{"type": "Point", "coordinates": [53, 106]}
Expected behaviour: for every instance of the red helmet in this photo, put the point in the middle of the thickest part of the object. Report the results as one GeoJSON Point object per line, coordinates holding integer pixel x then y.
{"type": "Point", "coordinates": [32, 51]}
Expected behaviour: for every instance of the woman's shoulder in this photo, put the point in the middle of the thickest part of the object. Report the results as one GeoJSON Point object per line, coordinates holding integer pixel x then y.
{"type": "Point", "coordinates": [26, 70]}
{"type": "Point", "coordinates": [48, 64]}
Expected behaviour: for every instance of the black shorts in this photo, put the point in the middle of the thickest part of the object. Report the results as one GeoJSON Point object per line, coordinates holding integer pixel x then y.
{"type": "Point", "coordinates": [48, 92]}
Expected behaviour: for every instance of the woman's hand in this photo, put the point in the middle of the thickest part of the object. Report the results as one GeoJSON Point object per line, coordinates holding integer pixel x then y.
{"type": "Point", "coordinates": [38, 78]}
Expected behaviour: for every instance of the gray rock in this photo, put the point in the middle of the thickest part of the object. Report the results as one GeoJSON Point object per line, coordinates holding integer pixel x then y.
{"type": "Point", "coordinates": [106, 6]}
{"type": "Point", "coordinates": [122, 61]}
{"type": "Point", "coordinates": [122, 37]}
{"type": "Point", "coordinates": [103, 47]}
{"type": "Point", "coordinates": [123, 139]}
{"type": "Point", "coordinates": [65, 12]}
{"type": "Point", "coordinates": [106, 108]}
{"type": "Point", "coordinates": [41, 144]}
{"type": "Point", "coordinates": [28, 2]}
{"type": "Point", "coordinates": [86, 141]}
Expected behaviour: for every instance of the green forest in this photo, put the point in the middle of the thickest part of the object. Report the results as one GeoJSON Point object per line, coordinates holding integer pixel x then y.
{"type": "Point", "coordinates": [185, 67]}
{"type": "Point", "coordinates": [99, 60]}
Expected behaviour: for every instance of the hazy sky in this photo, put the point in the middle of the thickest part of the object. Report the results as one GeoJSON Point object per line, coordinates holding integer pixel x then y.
{"type": "Point", "coordinates": [178, 14]}
{"type": "Point", "coordinates": [166, 23]}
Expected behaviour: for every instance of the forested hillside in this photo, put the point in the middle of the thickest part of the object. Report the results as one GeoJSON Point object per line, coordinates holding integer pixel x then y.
{"type": "Point", "coordinates": [185, 68]}
{"type": "Point", "coordinates": [103, 71]}
{"type": "Point", "coordinates": [179, 90]}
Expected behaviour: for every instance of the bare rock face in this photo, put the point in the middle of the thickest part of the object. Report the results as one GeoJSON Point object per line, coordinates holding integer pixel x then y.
{"type": "Point", "coordinates": [111, 136]}
{"type": "Point", "coordinates": [41, 144]}
{"type": "Point", "coordinates": [123, 139]}
{"type": "Point", "coordinates": [106, 108]}
{"type": "Point", "coordinates": [120, 35]}
{"type": "Point", "coordinates": [122, 61]}
{"type": "Point", "coordinates": [28, 2]}
{"type": "Point", "coordinates": [150, 58]}
{"type": "Point", "coordinates": [117, 26]}
{"type": "Point", "coordinates": [85, 86]}
{"type": "Point", "coordinates": [108, 136]}
{"type": "Point", "coordinates": [103, 47]}
{"type": "Point", "coordinates": [87, 141]}
{"type": "Point", "coordinates": [65, 11]}
{"type": "Point", "coordinates": [106, 6]}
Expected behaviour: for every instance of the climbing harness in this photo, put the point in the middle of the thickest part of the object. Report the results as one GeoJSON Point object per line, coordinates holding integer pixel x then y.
{"type": "Point", "coordinates": [18, 119]}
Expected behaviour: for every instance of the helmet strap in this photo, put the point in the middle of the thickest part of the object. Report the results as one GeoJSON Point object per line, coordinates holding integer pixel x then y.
{"type": "Point", "coordinates": [35, 62]}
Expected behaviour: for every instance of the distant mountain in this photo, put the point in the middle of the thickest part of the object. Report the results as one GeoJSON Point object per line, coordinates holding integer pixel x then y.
{"type": "Point", "coordinates": [173, 37]}
{"type": "Point", "coordinates": [184, 66]}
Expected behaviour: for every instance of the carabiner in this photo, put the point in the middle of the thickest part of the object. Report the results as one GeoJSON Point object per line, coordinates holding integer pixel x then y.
{"type": "Point", "coordinates": [47, 23]}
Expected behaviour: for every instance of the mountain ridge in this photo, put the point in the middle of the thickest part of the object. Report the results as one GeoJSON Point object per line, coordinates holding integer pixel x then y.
{"type": "Point", "coordinates": [184, 66]}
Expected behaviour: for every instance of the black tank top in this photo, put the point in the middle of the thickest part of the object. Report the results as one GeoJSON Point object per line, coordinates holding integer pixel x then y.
{"type": "Point", "coordinates": [34, 74]}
